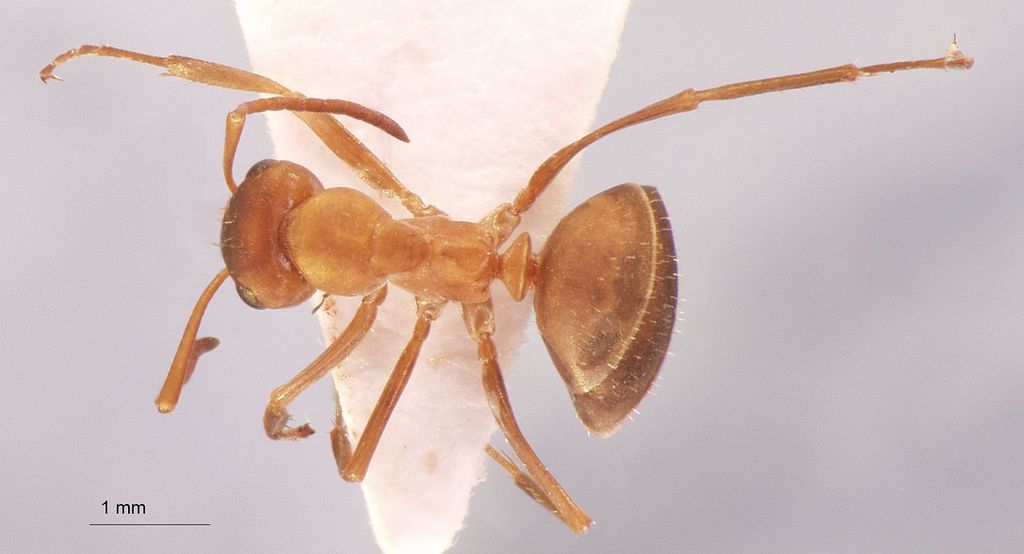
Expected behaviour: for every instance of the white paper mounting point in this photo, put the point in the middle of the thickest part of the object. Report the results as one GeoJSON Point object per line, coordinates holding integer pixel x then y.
{"type": "Point", "coordinates": [486, 91]}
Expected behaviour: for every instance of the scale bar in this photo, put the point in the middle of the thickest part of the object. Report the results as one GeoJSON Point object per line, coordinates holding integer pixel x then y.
{"type": "Point", "coordinates": [149, 524]}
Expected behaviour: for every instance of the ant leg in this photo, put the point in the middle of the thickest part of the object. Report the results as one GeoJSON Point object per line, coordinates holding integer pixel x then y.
{"type": "Point", "coordinates": [275, 418]}
{"type": "Point", "coordinates": [201, 346]}
{"type": "Point", "coordinates": [236, 121]}
{"type": "Point", "coordinates": [522, 480]}
{"type": "Point", "coordinates": [340, 445]}
{"type": "Point", "coordinates": [190, 69]}
{"type": "Point", "coordinates": [333, 134]}
{"type": "Point", "coordinates": [354, 468]}
{"type": "Point", "coordinates": [189, 349]}
{"type": "Point", "coordinates": [689, 99]}
{"type": "Point", "coordinates": [479, 320]}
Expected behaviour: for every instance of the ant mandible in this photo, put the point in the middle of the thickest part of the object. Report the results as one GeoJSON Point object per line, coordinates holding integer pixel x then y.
{"type": "Point", "coordinates": [606, 324]}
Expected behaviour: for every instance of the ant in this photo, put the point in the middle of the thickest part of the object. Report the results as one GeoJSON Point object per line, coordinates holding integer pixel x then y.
{"type": "Point", "coordinates": [606, 324]}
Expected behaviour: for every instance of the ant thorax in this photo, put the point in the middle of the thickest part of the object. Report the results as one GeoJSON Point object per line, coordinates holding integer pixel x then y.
{"type": "Point", "coordinates": [344, 243]}
{"type": "Point", "coordinates": [459, 262]}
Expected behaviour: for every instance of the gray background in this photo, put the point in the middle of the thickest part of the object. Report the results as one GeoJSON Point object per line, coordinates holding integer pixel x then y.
{"type": "Point", "coordinates": [849, 374]}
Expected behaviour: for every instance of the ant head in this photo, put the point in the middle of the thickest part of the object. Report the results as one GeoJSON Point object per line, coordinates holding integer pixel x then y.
{"type": "Point", "coordinates": [250, 236]}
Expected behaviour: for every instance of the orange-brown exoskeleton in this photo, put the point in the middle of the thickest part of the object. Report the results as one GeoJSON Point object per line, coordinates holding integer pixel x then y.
{"type": "Point", "coordinates": [605, 281]}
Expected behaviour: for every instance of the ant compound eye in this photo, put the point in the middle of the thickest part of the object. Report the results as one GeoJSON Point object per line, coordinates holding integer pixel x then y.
{"type": "Point", "coordinates": [264, 275]}
{"type": "Point", "coordinates": [249, 297]}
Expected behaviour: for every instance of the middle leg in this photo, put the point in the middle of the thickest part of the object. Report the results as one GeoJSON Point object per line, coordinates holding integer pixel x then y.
{"type": "Point", "coordinates": [354, 464]}
{"type": "Point", "coordinates": [331, 132]}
